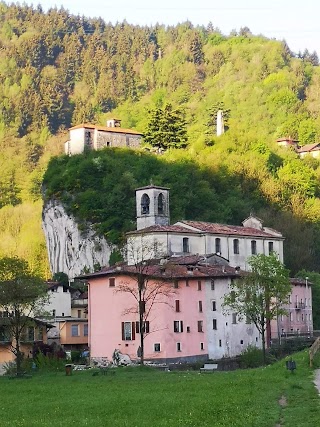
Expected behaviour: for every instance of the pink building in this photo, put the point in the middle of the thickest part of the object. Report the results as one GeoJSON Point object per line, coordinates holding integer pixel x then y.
{"type": "Point", "coordinates": [184, 320]}
{"type": "Point", "coordinates": [299, 318]}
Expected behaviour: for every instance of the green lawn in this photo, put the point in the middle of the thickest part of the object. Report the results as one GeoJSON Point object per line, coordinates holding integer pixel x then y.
{"type": "Point", "coordinates": [146, 398]}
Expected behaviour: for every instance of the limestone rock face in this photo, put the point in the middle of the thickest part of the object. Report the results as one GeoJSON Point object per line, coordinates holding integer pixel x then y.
{"type": "Point", "coordinates": [71, 251]}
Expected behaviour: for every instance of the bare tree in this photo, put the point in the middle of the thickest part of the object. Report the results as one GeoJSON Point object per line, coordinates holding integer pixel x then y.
{"type": "Point", "coordinates": [152, 283]}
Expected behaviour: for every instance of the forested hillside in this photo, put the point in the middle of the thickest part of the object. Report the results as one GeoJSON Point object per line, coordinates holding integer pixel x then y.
{"type": "Point", "coordinates": [58, 70]}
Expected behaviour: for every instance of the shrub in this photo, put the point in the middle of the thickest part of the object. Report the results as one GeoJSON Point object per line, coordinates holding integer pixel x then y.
{"type": "Point", "coordinates": [49, 363]}
{"type": "Point", "coordinates": [251, 357]}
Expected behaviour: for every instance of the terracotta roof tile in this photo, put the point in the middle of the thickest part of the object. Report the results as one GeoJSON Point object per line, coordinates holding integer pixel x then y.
{"type": "Point", "coordinates": [174, 268]}
{"type": "Point", "coordinates": [106, 129]}
{"type": "Point", "coordinates": [309, 147]}
{"type": "Point", "coordinates": [234, 230]}
{"type": "Point", "coordinates": [163, 229]}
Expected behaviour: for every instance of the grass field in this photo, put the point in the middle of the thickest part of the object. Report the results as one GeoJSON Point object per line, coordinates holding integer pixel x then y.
{"type": "Point", "coordinates": [138, 397]}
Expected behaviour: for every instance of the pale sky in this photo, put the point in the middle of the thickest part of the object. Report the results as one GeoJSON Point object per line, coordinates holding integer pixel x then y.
{"type": "Point", "coordinates": [295, 21]}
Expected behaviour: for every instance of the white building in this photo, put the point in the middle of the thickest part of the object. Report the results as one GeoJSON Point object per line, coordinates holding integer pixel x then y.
{"type": "Point", "coordinates": [59, 304]}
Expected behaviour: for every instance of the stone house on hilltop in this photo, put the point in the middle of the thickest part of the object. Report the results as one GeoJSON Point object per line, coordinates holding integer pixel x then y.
{"type": "Point", "coordinates": [94, 137]}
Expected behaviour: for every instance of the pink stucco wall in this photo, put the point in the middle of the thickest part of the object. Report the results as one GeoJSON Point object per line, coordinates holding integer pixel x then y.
{"type": "Point", "coordinates": [299, 313]}
{"type": "Point", "coordinates": [107, 311]}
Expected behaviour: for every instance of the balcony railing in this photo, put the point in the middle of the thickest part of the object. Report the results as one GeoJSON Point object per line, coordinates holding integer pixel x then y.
{"type": "Point", "coordinates": [300, 305]}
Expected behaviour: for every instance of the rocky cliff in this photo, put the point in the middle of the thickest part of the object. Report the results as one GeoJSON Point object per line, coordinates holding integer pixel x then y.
{"type": "Point", "coordinates": [70, 250]}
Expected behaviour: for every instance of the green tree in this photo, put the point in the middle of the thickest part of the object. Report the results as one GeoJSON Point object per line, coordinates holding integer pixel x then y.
{"type": "Point", "coordinates": [166, 128]}
{"type": "Point", "coordinates": [260, 295]}
{"type": "Point", "coordinates": [21, 295]}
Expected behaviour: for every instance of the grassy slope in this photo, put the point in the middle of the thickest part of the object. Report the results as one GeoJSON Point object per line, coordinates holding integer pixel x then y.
{"type": "Point", "coordinates": [146, 398]}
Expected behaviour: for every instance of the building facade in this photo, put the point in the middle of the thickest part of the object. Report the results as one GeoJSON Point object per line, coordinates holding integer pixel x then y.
{"type": "Point", "coordinates": [184, 321]}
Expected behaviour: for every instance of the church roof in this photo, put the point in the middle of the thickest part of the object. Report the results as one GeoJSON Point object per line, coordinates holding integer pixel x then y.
{"type": "Point", "coordinates": [163, 229]}
{"type": "Point", "coordinates": [233, 230]}
{"type": "Point", "coordinates": [147, 187]}
{"type": "Point", "coordinates": [106, 129]}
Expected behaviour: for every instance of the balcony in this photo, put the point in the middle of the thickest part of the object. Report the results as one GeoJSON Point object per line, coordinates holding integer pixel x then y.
{"type": "Point", "coordinates": [300, 305]}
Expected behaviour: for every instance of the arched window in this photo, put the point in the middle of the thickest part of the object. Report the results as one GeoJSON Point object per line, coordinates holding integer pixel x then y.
{"type": "Point", "coordinates": [161, 204]}
{"type": "Point", "coordinates": [145, 204]}
{"type": "Point", "coordinates": [236, 246]}
{"type": "Point", "coordinates": [218, 246]}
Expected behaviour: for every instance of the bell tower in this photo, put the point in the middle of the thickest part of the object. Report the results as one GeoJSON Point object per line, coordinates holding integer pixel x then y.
{"type": "Point", "coordinates": [152, 204]}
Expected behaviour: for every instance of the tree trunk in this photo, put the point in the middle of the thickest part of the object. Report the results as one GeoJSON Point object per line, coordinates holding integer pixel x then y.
{"type": "Point", "coordinates": [263, 338]}
{"type": "Point", "coordinates": [141, 316]}
{"type": "Point", "coordinates": [19, 354]}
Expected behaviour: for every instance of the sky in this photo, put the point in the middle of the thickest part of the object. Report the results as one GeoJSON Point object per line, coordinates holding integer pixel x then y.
{"type": "Point", "coordinates": [295, 21]}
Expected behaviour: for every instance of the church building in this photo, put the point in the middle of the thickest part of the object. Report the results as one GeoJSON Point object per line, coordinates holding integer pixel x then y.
{"type": "Point", "coordinates": [232, 242]}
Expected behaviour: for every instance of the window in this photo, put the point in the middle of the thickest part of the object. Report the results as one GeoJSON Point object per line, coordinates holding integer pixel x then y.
{"type": "Point", "coordinates": [302, 317]}
{"type": "Point", "coordinates": [187, 283]}
{"type": "Point", "coordinates": [290, 299]}
{"type": "Point", "coordinates": [214, 324]}
{"type": "Point", "coordinates": [241, 341]}
{"type": "Point", "coordinates": [248, 321]}
{"type": "Point", "coordinates": [30, 334]}
{"type": "Point", "coordinates": [62, 314]}
{"type": "Point", "coordinates": [177, 305]}
{"type": "Point", "coordinates": [145, 204]}
{"type": "Point", "coordinates": [178, 346]}
{"type": "Point", "coordinates": [161, 204]}
{"type": "Point", "coordinates": [218, 245]}
{"type": "Point", "coordinates": [128, 331]}
{"type": "Point", "coordinates": [214, 305]}
{"type": "Point", "coordinates": [176, 284]}
{"type": "Point", "coordinates": [40, 333]}
{"type": "Point", "coordinates": [220, 343]}
{"type": "Point", "coordinates": [200, 306]}
{"type": "Point", "coordinates": [79, 314]}
{"type": "Point", "coordinates": [233, 296]}
{"type": "Point", "coordinates": [178, 326]}
{"type": "Point", "coordinates": [85, 329]}
{"type": "Point", "coordinates": [212, 284]}
{"type": "Point", "coordinates": [157, 347]}
{"type": "Point", "coordinates": [253, 247]}
{"type": "Point", "coordinates": [270, 247]}
{"type": "Point", "coordinates": [74, 330]}
{"type": "Point", "coordinates": [201, 346]}
{"type": "Point", "coordinates": [236, 246]}
{"type": "Point", "coordinates": [188, 328]}
{"type": "Point", "coordinates": [200, 326]}
{"type": "Point", "coordinates": [234, 318]}
{"type": "Point", "coordinates": [199, 285]}
{"type": "Point", "coordinates": [146, 327]}
{"type": "Point", "coordinates": [290, 317]}
{"type": "Point", "coordinates": [185, 245]}
{"type": "Point", "coordinates": [256, 339]}
{"type": "Point", "coordinates": [54, 313]}
{"type": "Point", "coordinates": [112, 282]}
